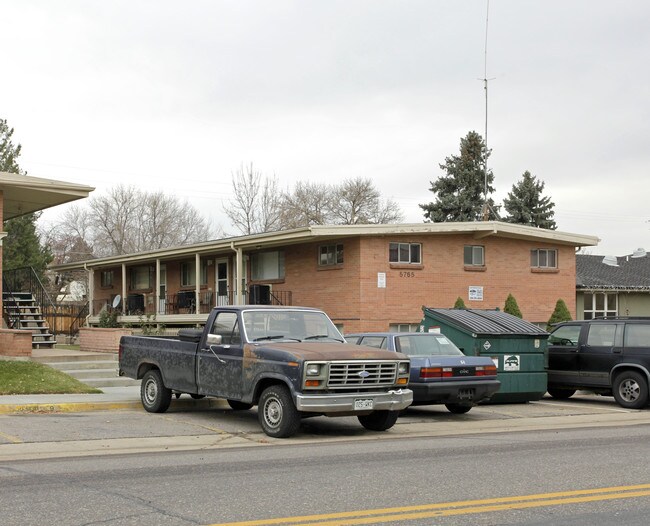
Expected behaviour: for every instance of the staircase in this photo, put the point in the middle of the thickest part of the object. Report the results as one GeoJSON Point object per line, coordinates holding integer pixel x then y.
{"type": "Point", "coordinates": [92, 368]}
{"type": "Point", "coordinates": [25, 314]}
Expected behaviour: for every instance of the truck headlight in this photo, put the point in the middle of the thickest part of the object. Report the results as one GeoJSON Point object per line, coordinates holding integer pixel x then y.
{"type": "Point", "coordinates": [313, 369]}
{"type": "Point", "coordinates": [403, 368]}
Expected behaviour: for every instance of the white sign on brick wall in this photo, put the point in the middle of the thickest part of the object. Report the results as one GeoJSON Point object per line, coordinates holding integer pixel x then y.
{"type": "Point", "coordinates": [475, 293]}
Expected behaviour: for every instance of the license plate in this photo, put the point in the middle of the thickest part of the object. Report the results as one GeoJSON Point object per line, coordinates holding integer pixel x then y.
{"type": "Point", "coordinates": [361, 404]}
{"type": "Point", "coordinates": [466, 394]}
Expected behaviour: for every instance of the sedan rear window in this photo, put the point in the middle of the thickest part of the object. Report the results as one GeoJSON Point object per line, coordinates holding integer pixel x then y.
{"type": "Point", "coordinates": [426, 345]}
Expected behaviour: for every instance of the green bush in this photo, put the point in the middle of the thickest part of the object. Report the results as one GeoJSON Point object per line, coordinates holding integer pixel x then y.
{"type": "Point", "coordinates": [149, 326]}
{"type": "Point", "coordinates": [108, 318]}
{"type": "Point", "coordinates": [460, 304]}
{"type": "Point", "coordinates": [511, 306]}
{"type": "Point", "coordinates": [561, 313]}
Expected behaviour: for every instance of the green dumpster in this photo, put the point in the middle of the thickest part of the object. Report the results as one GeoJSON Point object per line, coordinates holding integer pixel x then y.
{"type": "Point", "coordinates": [517, 347]}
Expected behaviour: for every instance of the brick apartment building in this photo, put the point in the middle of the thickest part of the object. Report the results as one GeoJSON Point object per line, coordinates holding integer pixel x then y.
{"type": "Point", "coordinates": [366, 277]}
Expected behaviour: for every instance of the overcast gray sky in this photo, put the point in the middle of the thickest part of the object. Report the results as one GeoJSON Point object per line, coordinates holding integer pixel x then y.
{"type": "Point", "coordinates": [177, 95]}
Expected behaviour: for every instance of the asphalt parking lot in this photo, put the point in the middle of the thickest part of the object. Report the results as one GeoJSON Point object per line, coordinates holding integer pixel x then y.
{"type": "Point", "coordinates": [47, 434]}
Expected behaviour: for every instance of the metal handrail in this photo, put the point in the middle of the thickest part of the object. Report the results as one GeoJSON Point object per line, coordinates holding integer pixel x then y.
{"type": "Point", "coordinates": [25, 279]}
{"type": "Point", "coordinates": [12, 318]}
{"type": "Point", "coordinates": [76, 323]}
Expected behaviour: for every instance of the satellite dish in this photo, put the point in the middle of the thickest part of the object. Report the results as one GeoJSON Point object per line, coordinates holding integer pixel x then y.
{"type": "Point", "coordinates": [639, 253]}
{"type": "Point", "coordinates": [116, 301]}
{"type": "Point", "coordinates": [610, 261]}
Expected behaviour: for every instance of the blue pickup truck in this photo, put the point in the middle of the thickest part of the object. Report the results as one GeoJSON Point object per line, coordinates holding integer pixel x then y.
{"type": "Point", "coordinates": [289, 361]}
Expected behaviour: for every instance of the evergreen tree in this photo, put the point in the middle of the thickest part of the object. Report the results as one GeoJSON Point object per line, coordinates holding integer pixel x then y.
{"type": "Point", "coordinates": [21, 247]}
{"type": "Point", "coordinates": [526, 206]}
{"type": "Point", "coordinates": [459, 194]}
{"type": "Point", "coordinates": [561, 313]}
{"type": "Point", "coordinates": [460, 304]}
{"type": "Point", "coordinates": [511, 306]}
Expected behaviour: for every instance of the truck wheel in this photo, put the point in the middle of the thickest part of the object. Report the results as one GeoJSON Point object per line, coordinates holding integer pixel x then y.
{"type": "Point", "coordinates": [458, 409]}
{"type": "Point", "coordinates": [379, 420]}
{"type": "Point", "coordinates": [236, 405]}
{"type": "Point", "coordinates": [153, 393]}
{"type": "Point", "coordinates": [277, 413]}
{"type": "Point", "coordinates": [560, 394]}
{"type": "Point", "coordinates": [630, 390]}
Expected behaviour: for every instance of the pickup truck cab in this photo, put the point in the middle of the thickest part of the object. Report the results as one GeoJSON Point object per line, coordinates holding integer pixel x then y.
{"type": "Point", "coordinates": [291, 362]}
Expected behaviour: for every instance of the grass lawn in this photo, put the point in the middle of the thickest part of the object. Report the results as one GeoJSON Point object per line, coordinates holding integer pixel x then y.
{"type": "Point", "coordinates": [36, 378]}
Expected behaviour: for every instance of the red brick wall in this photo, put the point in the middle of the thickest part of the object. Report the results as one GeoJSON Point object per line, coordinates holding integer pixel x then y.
{"type": "Point", "coordinates": [350, 294]}
{"type": "Point", "coordinates": [15, 343]}
{"type": "Point", "coordinates": [100, 339]}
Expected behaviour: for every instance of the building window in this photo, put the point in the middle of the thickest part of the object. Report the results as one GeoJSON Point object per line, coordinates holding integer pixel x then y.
{"type": "Point", "coordinates": [267, 265]}
{"type": "Point", "coordinates": [106, 278]}
{"type": "Point", "coordinates": [330, 255]}
{"type": "Point", "coordinates": [404, 327]}
{"type": "Point", "coordinates": [543, 258]}
{"type": "Point", "coordinates": [188, 273]}
{"type": "Point", "coordinates": [599, 304]}
{"type": "Point", "coordinates": [140, 278]}
{"type": "Point", "coordinates": [474, 255]}
{"type": "Point", "coordinates": [410, 253]}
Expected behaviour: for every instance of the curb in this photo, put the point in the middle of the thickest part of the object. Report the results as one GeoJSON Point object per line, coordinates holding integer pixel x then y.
{"type": "Point", "coordinates": [83, 407]}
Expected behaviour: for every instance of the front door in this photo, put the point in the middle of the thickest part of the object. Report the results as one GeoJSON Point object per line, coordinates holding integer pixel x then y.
{"type": "Point", "coordinates": [219, 367]}
{"type": "Point", "coordinates": [222, 282]}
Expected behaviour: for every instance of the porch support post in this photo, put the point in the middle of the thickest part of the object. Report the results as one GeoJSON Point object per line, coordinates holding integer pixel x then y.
{"type": "Point", "coordinates": [239, 266]}
{"type": "Point", "coordinates": [197, 283]}
{"type": "Point", "coordinates": [124, 289]}
{"type": "Point", "coordinates": [156, 295]}
{"type": "Point", "coordinates": [91, 289]}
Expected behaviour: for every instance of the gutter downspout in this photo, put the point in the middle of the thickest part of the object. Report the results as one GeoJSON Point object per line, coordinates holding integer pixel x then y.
{"type": "Point", "coordinates": [238, 272]}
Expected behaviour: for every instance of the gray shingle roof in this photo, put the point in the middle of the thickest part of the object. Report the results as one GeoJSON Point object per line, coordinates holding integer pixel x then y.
{"type": "Point", "coordinates": [631, 273]}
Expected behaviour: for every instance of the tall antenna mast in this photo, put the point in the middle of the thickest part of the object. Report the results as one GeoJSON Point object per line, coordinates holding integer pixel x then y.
{"type": "Point", "coordinates": [485, 87]}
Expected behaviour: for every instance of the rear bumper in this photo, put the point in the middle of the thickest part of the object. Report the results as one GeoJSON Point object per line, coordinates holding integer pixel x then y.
{"type": "Point", "coordinates": [454, 392]}
{"type": "Point", "coordinates": [394, 400]}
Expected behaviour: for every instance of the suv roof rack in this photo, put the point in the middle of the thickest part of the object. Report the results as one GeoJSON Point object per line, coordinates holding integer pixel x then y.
{"type": "Point", "coordinates": [620, 318]}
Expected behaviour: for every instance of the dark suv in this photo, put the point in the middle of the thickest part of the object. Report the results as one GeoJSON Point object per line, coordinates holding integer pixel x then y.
{"type": "Point", "coordinates": [609, 356]}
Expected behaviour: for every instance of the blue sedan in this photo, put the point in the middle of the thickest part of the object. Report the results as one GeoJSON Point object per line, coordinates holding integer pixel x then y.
{"type": "Point", "coordinates": [440, 372]}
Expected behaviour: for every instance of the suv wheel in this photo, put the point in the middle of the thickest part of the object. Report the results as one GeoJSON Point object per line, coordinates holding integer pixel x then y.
{"type": "Point", "coordinates": [630, 390]}
{"type": "Point", "coordinates": [560, 394]}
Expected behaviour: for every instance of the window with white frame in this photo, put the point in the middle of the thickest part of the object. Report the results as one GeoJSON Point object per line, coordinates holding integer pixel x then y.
{"type": "Point", "coordinates": [329, 255]}
{"type": "Point", "coordinates": [188, 273]}
{"type": "Point", "coordinates": [543, 258]}
{"type": "Point", "coordinates": [474, 255]}
{"type": "Point", "coordinates": [409, 253]}
{"type": "Point", "coordinates": [597, 304]}
{"type": "Point", "coordinates": [404, 327]}
{"type": "Point", "coordinates": [267, 265]}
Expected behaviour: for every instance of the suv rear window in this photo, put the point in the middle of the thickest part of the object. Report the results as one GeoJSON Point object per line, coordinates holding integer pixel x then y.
{"type": "Point", "coordinates": [637, 335]}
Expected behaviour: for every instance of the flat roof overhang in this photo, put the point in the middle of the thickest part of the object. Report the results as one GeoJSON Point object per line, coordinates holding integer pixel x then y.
{"type": "Point", "coordinates": [24, 194]}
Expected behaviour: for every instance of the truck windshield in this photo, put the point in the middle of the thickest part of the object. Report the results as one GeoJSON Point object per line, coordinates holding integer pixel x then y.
{"type": "Point", "coordinates": [291, 325]}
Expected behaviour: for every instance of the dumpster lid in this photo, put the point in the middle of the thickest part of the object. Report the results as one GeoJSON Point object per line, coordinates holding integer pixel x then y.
{"type": "Point", "coordinates": [480, 321]}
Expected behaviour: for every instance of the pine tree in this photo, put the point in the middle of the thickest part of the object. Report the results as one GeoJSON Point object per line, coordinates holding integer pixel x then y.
{"type": "Point", "coordinates": [21, 247]}
{"type": "Point", "coordinates": [460, 304]}
{"type": "Point", "coordinates": [526, 206]}
{"type": "Point", "coordinates": [459, 194]}
{"type": "Point", "coordinates": [561, 313]}
{"type": "Point", "coordinates": [511, 306]}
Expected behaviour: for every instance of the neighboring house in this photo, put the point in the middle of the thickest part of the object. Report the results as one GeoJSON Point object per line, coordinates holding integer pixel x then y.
{"type": "Point", "coordinates": [612, 286]}
{"type": "Point", "coordinates": [366, 277]}
{"type": "Point", "coordinates": [22, 194]}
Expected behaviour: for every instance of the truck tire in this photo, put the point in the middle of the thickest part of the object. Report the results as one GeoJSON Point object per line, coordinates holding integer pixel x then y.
{"type": "Point", "coordinates": [277, 413]}
{"type": "Point", "coordinates": [236, 405]}
{"type": "Point", "coordinates": [458, 409]}
{"type": "Point", "coordinates": [630, 390]}
{"type": "Point", "coordinates": [153, 393]}
{"type": "Point", "coordinates": [379, 420]}
{"type": "Point", "coordinates": [560, 394]}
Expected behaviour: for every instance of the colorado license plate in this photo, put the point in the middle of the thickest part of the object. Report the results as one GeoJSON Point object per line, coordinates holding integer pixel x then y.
{"type": "Point", "coordinates": [361, 404]}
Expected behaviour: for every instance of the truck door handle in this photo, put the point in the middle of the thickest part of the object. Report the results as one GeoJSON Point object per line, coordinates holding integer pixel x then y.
{"type": "Point", "coordinates": [215, 355]}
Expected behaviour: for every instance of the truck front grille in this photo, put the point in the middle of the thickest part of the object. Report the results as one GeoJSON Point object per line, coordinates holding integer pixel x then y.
{"type": "Point", "coordinates": [346, 375]}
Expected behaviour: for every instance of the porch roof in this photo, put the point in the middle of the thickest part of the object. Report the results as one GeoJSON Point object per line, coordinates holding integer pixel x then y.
{"type": "Point", "coordinates": [24, 194]}
{"type": "Point", "coordinates": [479, 230]}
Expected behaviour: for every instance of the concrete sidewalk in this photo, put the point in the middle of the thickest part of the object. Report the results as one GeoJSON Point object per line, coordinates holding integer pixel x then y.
{"type": "Point", "coordinates": [112, 398]}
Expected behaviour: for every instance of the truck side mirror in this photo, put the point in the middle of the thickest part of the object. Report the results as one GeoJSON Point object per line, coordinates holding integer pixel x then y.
{"type": "Point", "coordinates": [214, 339]}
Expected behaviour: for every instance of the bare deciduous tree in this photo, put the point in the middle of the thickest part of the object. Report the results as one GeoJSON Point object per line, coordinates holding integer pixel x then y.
{"type": "Point", "coordinates": [357, 201]}
{"type": "Point", "coordinates": [308, 204]}
{"type": "Point", "coordinates": [256, 205]}
{"type": "Point", "coordinates": [124, 221]}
